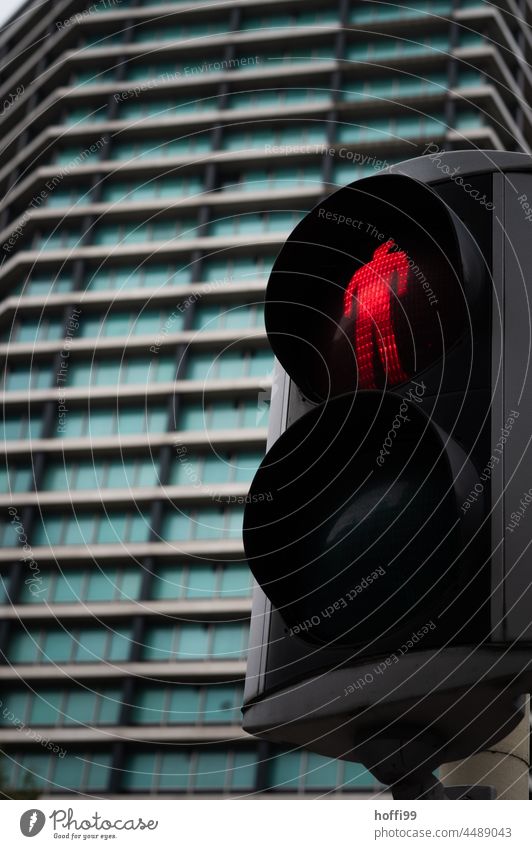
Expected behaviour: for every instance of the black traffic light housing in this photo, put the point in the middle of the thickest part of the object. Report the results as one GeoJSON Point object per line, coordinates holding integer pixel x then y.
{"type": "Point", "coordinates": [308, 328]}
{"type": "Point", "coordinates": [393, 607]}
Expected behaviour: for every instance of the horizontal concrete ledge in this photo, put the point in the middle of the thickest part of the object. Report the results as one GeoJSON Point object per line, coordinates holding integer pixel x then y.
{"type": "Point", "coordinates": [125, 733]}
{"type": "Point", "coordinates": [204, 389]}
{"type": "Point", "coordinates": [231, 493]}
{"type": "Point", "coordinates": [191, 203]}
{"type": "Point", "coordinates": [206, 671]}
{"type": "Point", "coordinates": [224, 549]}
{"type": "Point", "coordinates": [164, 250]}
{"type": "Point", "coordinates": [216, 290]}
{"type": "Point", "coordinates": [198, 439]}
{"type": "Point", "coordinates": [249, 336]}
{"type": "Point", "coordinates": [225, 609]}
{"type": "Point", "coordinates": [254, 796]}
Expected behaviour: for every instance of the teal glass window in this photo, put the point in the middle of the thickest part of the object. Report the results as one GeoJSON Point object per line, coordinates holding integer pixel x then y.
{"type": "Point", "coordinates": [252, 137]}
{"type": "Point", "coordinates": [72, 156]}
{"type": "Point", "coordinates": [86, 115]}
{"type": "Point", "coordinates": [469, 120]}
{"type": "Point", "coordinates": [112, 528]}
{"type": "Point", "coordinates": [149, 706]}
{"type": "Point", "coordinates": [222, 704]}
{"type": "Point", "coordinates": [108, 707]}
{"type": "Point", "coordinates": [255, 223]}
{"type": "Point", "coordinates": [82, 423]}
{"type": "Point", "coordinates": [367, 12]}
{"type": "Point", "coordinates": [162, 148]}
{"type": "Point", "coordinates": [86, 475]}
{"type": "Point", "coordinates": [139, 772]}
{"type": "Point", "coordinates": [15, 478]}
{"type": "Point", "coordinates": [311, 17]}
{"type": "Point", "coordinates": [83, 529]}
{"type": "Point", "coordinates": [200, 366]}
{"type": "Point", "coordinates": [208, 523]}
{"type": "Point", "coordinates": [168, 583]}
{"type": "Point", "coordinates": [277, 56]}
{"type": "Point", "coordinates": [271, 98]}
{"type": "Point", "coordinates": [23, 648]}
{"type": "Point", "coordinates": [395, 87]}
{"type": "Point", "coordinates": [138, 277]}
{"type": "Point", "coordinates": [134, 369]}
{"type": "Point", "coordinates": [243, 773]}
{"type": "Point", "coordinates": [260, 363]}
{"type": "Point", "coordinates": [28, 330]}
{"type": "Point", "coordinates": [163, 109]}
{"type": "Point", "coordinates": [427, 125]}
{"type": "Point", "coordinates": [78, 770]}
{"type": "Point", "coordinates": [269, 179]}
{"type": "Point", "coordinates": [120, 643]}
{"type": "Point", "coordinates": [356, 775]}
{"type": "Point", "coordinates": [40, 284]}
{"type": "Point", "coordinates": [238, 269]}
{"type": "Point", "coordinates": [71, 774]}
{"type": "Point", "coordinates": [382, 48]}
{"type": "Point", "coordinates": [159, 643]}
{"type": "Point", "coordinates": [162, 187]}
{"type": "Point", "coordinates": [45, 707]}
{"type": "Point", "coordinates": [301, 770]}
{"type": "Point", "coordinates": [4, 589]}
{"type": "Point", "coordinates": [76, 531]}
{"type": "Point", "coordinates": [229, 640]}
{"type": "Point", "coordinates": [8, 534]}
{"type": "Point", "coordinates": [15, 703]}
{"type": "Point", "coordinates": [138, 233]}
{"type": "Point", "coordinates": [68, 588]}
{"type": "Point", "coordinates": [177, 526]}
{"type": "Point", "coordinates": [38, 376]}
{"type": "Point", "coordinates": [285, 770]}
{"type": "Point", "coordinates": [201, 582]}
{"type": "Point", "coordinates": [211, 770]}
{"type": "Point", "coordinates": [100, 587]}
{"type": "Point", "coordinates": [216, 415]}
{"type": "Point", "coordinates": [71, 586]}
{"type": "Point", "coordinates": [20, 427]}
{"type": "Point", "coordinates": [321, 771]}
{"type": "Point", "coordinates": [104, 422]}
{"type": "Point", "coordinates": [59, 646]}
{"type": "Point", "coordinates": [202, 469]}
{"type": "Point", "coordinates": [236, 580]}
{"type": "Point", "coordinates": [231, 363]}
{"type": "Point", "coordinates": [228, 317]}
{"type": "Point", "coordinates": [176, 32]}
{"type": "Point", "coordinates": [80, 708]}
{"type": "Point", "coordinates": [188, 705]}
{"type": "Point", "coordinates": [175, 768]}
{"type": "Point", "coordinates": [228, 580]}
{"type": "Point", "coordinates": [93, 77]}
{"type": "Point", "coordinates": [183, 705]}
{"type": "Point", "coordinates": [68, 197]}
{"type": "Point", "coordinates": [49, 532]}
{"type": "Point", "coordinates": [193, 641]}
{"type": "Point", "coordinates": [192, 416]}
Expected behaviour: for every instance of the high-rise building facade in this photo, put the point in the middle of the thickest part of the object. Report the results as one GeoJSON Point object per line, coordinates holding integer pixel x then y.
{"type": "Point", "coordinates": [153, 159]}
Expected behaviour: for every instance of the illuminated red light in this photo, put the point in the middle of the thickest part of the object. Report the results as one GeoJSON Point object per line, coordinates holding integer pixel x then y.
{"type": "Point", "coordinates": [371, 287]}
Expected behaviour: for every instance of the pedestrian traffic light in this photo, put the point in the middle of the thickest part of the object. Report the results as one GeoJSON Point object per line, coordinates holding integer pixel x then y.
{"type": "Point", "coordinates": [389, 574]}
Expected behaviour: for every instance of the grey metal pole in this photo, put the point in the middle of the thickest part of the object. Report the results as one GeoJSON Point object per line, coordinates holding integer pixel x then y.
{"type": "Point", "coordinates": [505, 766]}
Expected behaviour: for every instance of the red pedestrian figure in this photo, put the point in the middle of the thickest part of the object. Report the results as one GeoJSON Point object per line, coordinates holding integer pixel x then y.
{"type": "Point", "coordinates": [372, 287]}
